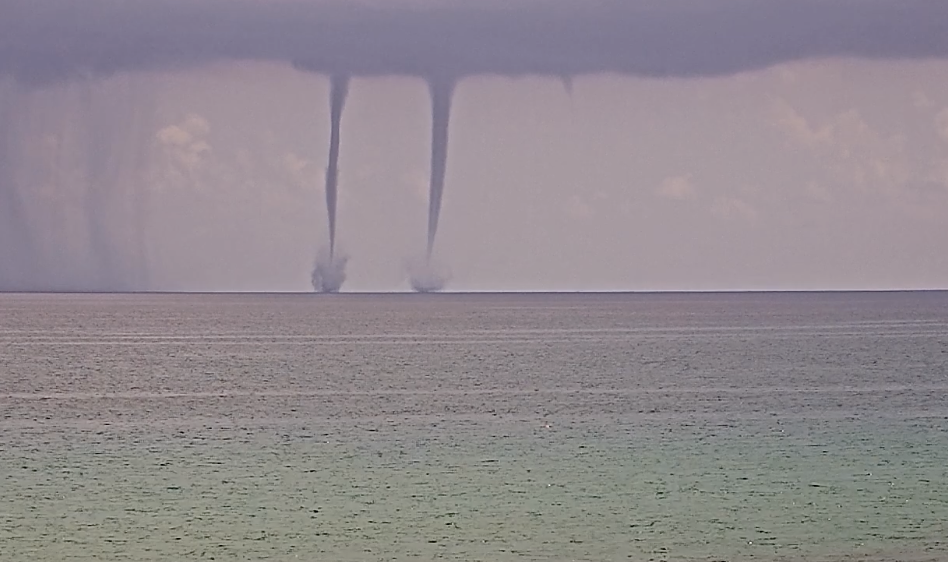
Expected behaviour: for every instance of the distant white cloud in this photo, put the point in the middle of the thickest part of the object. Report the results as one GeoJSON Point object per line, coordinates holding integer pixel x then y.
{"type": "Point", "coordinates": [416, 183]}
{"type": "Point", "coordinates": [941, 123]}
{"type": "Point", "coordinates": [857, 155]}
{"type": "Point", "coordinates": [795, 126]}
{"type": "Point", "coordinates": [940, 173]}
{"type": "Point", "coordinates": [733, 208]}
{"type": "Point", "coordinates": [186, 142]}
{"type": "Point", "coordinates": [847, 133]}
{"type": "Point", "coordinates": [293, 163]}
{"type": "Point", "coordinates": [921, 100]}
{"type": "Point", "coordinates": [577, 208]}
{"type": "Point", "coordinates": [301, 172]}
{"type": "Point", "coordinates": [679, 188]}
{"type": "Point", "coordinates": [787, 75]}
{"type": "Point", "coordinates": [818, 192]}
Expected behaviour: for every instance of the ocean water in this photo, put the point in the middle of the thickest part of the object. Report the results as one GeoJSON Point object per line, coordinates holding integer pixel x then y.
{"type": "Point", "coordinates": [474, 427]}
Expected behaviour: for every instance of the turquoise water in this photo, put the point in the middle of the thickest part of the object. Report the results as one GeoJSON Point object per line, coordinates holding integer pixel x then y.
{"type": "Point", "coordinates": [474, 427]}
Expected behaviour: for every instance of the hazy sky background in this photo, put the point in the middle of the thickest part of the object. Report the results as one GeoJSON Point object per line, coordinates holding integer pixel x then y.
{"type": "Point", "coordinates": [817, 174]}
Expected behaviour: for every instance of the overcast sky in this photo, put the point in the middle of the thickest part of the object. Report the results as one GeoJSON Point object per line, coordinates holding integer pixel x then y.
{"type": "Point", "coordinates": [811, 173]}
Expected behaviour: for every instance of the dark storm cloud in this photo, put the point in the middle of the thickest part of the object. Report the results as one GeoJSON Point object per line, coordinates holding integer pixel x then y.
{"type": "Point", "coordinates": [48, 40]}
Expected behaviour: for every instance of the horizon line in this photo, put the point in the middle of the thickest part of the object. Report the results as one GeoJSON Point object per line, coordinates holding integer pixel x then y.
{"type": "Point", "coordinates": [489, 292]}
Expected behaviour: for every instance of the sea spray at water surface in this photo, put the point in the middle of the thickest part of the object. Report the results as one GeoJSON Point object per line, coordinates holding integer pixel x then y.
{"type": "Point", "coordinates": [427, 275]}
{"type": "Point", "coordinates": [329, 271]}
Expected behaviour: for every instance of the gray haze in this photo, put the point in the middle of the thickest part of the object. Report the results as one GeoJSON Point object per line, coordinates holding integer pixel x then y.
{"type": "Point", "coordinates": [100, 150]}
{"type": "Point", "coordinates": [77, 92]}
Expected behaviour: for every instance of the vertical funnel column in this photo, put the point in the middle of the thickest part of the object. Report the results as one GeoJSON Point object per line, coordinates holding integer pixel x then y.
{"type": "Point", "coordinates": [441, 91]}
{"type": "Point", "coordinates": [339, 86]}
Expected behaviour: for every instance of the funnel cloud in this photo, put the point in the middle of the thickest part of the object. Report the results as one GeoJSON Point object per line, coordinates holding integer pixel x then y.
{"type": "Point", "coordinates": [339, 89]}
{"type": "Point", "coordinates": [441, 91]}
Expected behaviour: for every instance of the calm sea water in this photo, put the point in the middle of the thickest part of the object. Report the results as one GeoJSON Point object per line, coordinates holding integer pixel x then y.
{"type": "Point", "coordinates": [474, 427]}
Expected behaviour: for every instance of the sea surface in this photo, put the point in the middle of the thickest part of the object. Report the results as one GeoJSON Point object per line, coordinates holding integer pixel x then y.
{"type": "Point", "coordinates": [592, 427]}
